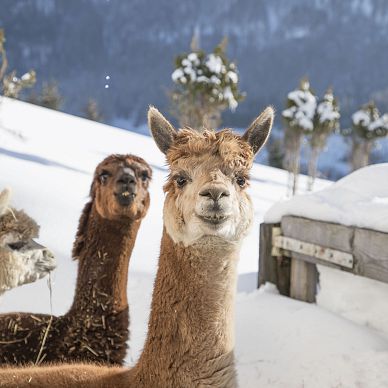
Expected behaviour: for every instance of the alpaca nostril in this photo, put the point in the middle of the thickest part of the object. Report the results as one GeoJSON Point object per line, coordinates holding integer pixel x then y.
{"type": "Point", "coordinates": [205, 193]}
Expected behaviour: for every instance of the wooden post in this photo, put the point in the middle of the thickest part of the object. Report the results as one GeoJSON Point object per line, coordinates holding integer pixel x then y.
{"type": "Point", "coordinates": [304, 278]}
{"type": "Point", "coordinates": [267, 264]}
{"type": "Point", "coordinates": [284, 275]}
{"type": "Point", "coordinates": [272, 268]}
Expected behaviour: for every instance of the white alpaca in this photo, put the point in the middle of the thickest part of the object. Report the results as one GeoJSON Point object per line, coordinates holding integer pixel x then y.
{"type": "Point", "coordinates": [22, 260]}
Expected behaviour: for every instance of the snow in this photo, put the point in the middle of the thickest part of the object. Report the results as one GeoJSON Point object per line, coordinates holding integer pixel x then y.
{"type": "Point", "coordinates": [26, 77]}
{"type": "Point", "coordinates": [279, 342]}
{"type": "Point", "coordinates": [178, 73]}
{"type": "Point", "coordinates": [302, 112]}
{"type": "Point", "coordinates": [326, 111]}
{"type": "Point", "coordinates": [381, 122]}
{"type": "Point", "coordinates": [361, 117]}
{"type": "Point", "coordinates": [228, 95]}
{"type": "Point", "coordinates": [214, 63]}
{"type": "Point", "coordinates": [231, 75]}
{"type": "Point", "coordinates": [370, 120]}
{"type": "Point", "coordinates": [359, 199]}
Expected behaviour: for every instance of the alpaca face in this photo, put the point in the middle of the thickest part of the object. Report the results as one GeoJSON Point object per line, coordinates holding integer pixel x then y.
{"type": "Point", "coordinates": [209, 174]}
{"type": "Point", "coordinates": [206, 196]}
{"type": "Point", "coordinates": [22, 259]}
{"type": "Point", "coordinates": [120, 187]}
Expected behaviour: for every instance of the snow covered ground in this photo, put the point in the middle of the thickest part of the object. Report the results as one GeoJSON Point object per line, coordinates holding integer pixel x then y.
{"type": "Point", "coordinates": [280, 342]}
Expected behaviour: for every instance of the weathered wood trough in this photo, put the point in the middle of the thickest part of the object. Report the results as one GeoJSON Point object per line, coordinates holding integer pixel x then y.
{"type": "Point", "coordinates": [290, 251]}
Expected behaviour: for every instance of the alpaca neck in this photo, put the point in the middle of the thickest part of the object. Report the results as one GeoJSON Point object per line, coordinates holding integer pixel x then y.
{"type": "Point", "coordinates": [103, 264]}
{"type": "Point", "coordinates": [191, 327]}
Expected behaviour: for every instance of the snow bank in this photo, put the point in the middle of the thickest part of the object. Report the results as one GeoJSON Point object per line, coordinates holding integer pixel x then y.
{"type": "Point", "coordinates": [360, 199]}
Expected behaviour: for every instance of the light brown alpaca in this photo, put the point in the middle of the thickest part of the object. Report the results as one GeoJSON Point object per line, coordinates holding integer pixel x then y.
{"type": "Point", "coordinates": [207, 212]}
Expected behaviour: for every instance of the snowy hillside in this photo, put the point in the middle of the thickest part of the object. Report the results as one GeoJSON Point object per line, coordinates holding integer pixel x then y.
{"type": "Point", "coordinates": [279, 342]}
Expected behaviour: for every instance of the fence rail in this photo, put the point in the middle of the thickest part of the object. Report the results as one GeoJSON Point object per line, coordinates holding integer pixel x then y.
{"type": "Point", "coordinates": [290, 251]}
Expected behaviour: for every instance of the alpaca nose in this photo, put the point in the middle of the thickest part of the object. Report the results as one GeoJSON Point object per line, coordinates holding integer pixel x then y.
{"type": "Point", "coordinates": [127, 180]}
{"type": "Point", "coordinates": [214, 193]}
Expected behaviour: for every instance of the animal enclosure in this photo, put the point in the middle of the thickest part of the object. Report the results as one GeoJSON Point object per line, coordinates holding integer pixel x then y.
{"type": "Point", "coordinates": [291, 249]}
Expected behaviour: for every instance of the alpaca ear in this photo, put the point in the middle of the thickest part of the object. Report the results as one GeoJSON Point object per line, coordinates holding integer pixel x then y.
{"type": "Point", "coordinates": [5, 197]}
{"type": "Point", "coordinates": [258, 132]}
{"type": "Point", "coordinates": [162, 131]}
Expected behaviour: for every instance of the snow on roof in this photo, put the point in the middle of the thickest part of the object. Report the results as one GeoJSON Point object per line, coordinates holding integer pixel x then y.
{"type": "Point", "coordinates": [359, 199]}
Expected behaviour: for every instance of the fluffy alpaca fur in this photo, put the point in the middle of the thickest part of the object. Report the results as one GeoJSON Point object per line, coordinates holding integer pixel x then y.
{"type": "Point", "coordinates": [22, 260]}
{"type": "Point", "coordinates": [190, 334]}
{"type": "Point", "coordinates": [96, 326]}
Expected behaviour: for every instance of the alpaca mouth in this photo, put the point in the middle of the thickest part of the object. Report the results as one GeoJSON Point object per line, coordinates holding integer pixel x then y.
{"type": "Point", "coordinates": [125, 198]}
{"type": "Point", "coordinates": [214, 219]}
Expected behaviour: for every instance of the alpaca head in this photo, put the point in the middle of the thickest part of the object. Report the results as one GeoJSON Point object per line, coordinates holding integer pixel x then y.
{"type": "Point", "coordinates": [17, 245]}
{"type": "Point", "coordinates": [209, 174]}
{"type": "Point", "coordinates": [120, 187]}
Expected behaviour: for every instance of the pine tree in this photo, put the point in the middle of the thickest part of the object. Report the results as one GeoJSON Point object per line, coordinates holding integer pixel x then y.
{"type": "Point", "coordinates": [92, 111]}
{"type": "Point", "coordinates": [205, 85]}
{"type": "Point", "coordinates": [275, 152]}
{"type": "Point", "coordinates": [367, 127]}
{"type": "Point", "coordinates": [49, 96]}
{"type": "Point", "coordinates": [298, 118]}
{"type": "Point", "coordinates": [11, 85]}
{"type": "Point", "coordinates": [326, 120]}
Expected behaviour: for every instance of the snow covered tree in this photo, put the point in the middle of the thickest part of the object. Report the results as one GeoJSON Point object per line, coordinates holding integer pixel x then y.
{"type": "Point", "coordinates": [367, 126]}
{"type": "Point", "coordinates": [92, 112]}
{"type": "Point", "coordinates": [326, 120]}
{"type": "Point", "coordinates": [298, 118]}
{"type": "Point", "coordinates": [205, 85]}
{"type": "Point", "coordinates": [11, 85]}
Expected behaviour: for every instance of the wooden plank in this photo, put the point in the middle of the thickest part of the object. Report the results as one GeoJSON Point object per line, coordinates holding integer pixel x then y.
{"type": "Point", "coordinates": [325, 254]}
{"type": "Point", "coordinates": [304, 278]}
{"type": "Point", "coordinates": [314, 260]}
{"type": "Point", "coordinates": [371, 254]}
{"type": "Point", "coordinates": [326, 234]}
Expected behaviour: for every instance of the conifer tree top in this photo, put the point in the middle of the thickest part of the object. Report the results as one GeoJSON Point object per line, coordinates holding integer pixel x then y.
{"type": "Point", "coordinates": [211, 75]}
{"type": "Point", "coordinates": [368, 123]}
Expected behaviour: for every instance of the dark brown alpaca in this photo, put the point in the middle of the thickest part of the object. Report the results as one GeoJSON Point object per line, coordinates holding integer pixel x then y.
{"type": "Point", "coordinates": [96, 326]}
{"type": "Point", "coordinates": [207, 213]}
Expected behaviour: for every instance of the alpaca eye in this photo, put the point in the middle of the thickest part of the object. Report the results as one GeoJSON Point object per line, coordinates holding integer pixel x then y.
{"type": "Point", "coordinates": [240, 180]}
{"type": "Point", "coordinates": [181, 181]}
{"type": "Point", "coordinates": [144, 176]}
{"type": "Point", "coordinates": [17, 245]}
{"type": "Point", "coordinates": [104, 177]}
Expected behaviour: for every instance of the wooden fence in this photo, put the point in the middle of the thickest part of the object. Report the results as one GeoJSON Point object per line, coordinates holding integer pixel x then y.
{"type": "Point", "coordinates": [289, 252]}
